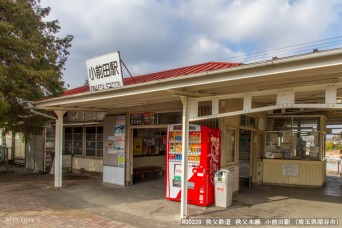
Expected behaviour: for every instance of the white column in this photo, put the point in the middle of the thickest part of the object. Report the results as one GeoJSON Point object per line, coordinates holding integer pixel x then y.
{"type": "Point", "coordinates": [58, 148]}
{"type": "Point", "coordinates": [185, 137]}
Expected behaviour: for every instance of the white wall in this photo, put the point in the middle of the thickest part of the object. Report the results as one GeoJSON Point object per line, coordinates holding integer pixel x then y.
{"type": "Point", "coordinates": [89, 164]}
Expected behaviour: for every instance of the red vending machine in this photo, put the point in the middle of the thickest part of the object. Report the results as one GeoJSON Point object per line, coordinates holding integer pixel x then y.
{"type": "Point", "coordinates": [203, 162]}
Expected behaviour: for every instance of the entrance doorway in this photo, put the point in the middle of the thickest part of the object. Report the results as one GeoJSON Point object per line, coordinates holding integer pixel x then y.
{"type": "Point", "coordinates": [149, 149]}
{"type": "Point", "coordinates": [333, 153]}
{"type": "Point", "coordinates": [245, 156]}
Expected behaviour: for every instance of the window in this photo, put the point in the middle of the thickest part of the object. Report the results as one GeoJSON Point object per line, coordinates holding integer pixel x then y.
{"type": "Point", "coordinates": [94, 141]}
{"type": "Point", "coordinates": [74, 141]}
{"type": "Point", "coordinates": [293, 137]}
{"type": "Point", "coordinates": [293, 123]}
{"type": "Point", "coordinates": [205, 109]}
{"type": "Point", "coordinates": [156, 118]}
{"type": "Point", "coordinates": [230, 145]}
{"type": "Point", "coordinates": [247, 121]}
{"type": "Point", "coordinates": [169, 118]}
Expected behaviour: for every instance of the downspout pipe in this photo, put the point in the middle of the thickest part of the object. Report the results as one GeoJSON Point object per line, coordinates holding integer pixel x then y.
{"type": "Point", "coordinates": [42, 114]}
{"type": "Point", "coordinates": [32, 106]}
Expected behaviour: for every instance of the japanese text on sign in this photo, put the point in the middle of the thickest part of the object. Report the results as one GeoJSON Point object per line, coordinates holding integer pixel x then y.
{"type": "Point", "coordinates": [104, 72]}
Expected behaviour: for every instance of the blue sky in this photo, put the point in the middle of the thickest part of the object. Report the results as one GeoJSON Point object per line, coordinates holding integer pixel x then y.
{"type": "Point", "coordinates": [154, 35]}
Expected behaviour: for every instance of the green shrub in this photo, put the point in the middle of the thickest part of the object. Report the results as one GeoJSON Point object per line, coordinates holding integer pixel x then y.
{"type": "Point", "coordinates": [329, 146]}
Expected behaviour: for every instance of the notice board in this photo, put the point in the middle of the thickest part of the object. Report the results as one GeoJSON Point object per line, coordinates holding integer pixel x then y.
{"type": "Point", "coordinates": [114, 154]}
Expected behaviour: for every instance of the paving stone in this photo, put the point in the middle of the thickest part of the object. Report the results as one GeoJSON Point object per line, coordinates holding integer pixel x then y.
{"type": "Point", "coordinates": [42, 213]}
{"type": "Point", "coordinates": [29, 201]}
{"type": "Point", "coordinates": [30, 213]}
{"type": "Point", "coordinates": [2, 214]}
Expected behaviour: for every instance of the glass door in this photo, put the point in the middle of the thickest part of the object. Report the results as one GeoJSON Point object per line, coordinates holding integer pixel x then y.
{"type": "Point", "coordinates": [245, 137]}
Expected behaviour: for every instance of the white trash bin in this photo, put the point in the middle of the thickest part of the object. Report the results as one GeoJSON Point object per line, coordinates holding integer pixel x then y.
{"type": "Point", "coordinates": [223, 188]}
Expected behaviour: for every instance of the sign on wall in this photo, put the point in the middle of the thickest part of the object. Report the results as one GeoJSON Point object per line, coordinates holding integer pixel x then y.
{"type": "Point", "coordinates": [105, 72]}
{"type": "Point", "coordinates": [137, 146]}
{"type": "Point", "coordinates": [114, 161]}
{"type": "Point", "coordinates": [290, 170]}
{"type": "Point", "coordinates": [147, 118]}
{"type": "Point", "coordinates": [116, 142]}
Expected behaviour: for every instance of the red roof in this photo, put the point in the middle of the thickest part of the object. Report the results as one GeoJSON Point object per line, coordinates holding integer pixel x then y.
{"type": "Point", "coordinates": [204, 67]}
{"type": "Point", "coordinates": [82, 89]}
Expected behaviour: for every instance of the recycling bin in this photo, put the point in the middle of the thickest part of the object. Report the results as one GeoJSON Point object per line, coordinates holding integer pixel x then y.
{"type": "Point", "coordinates": [223, 188]}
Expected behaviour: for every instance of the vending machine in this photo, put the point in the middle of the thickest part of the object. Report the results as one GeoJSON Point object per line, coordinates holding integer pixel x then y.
{"type": "Point", "coordinates": [203, 161]}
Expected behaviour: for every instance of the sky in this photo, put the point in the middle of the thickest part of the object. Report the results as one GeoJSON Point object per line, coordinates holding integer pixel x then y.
{"type": "Point", "coordinates": [155, 35]}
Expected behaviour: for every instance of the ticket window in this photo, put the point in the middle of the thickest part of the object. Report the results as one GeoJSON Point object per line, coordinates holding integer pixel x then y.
{"type": "Point", "coordinates": [294, 137]}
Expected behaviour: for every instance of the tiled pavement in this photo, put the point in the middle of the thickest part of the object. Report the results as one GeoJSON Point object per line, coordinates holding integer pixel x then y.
{"type": "Point", "coordinates": [29, 200]}
{"type": "Point", "coordinates": [55, 218]}
{"type": "Point", "coordinates": [23, 203]}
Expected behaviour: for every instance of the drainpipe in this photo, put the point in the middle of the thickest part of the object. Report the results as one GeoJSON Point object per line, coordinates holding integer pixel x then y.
{"type": "Point", "coordinates": [32, 109]}
{"type": "Point", "coordinates": [42, 114]}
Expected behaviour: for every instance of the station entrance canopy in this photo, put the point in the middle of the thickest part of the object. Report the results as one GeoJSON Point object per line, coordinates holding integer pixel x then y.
{"type": "Point", "coordinates": [310, 81]}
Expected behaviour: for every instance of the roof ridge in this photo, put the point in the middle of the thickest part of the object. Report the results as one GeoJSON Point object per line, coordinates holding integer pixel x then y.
{"type": "Point", "coordinates": [158, 75]}
{"type": "Point", "coordinates": [177, 68]}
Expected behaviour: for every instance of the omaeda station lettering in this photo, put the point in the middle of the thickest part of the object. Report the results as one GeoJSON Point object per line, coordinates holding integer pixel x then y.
{"type": "Point", "coordinates": [104, 72]}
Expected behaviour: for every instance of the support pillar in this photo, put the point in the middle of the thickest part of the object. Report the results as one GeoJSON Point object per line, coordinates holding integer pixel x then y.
{"type": "Point", "coordinates": [185, 138]}
{"type": "Point", "coordinates": [58, 148]}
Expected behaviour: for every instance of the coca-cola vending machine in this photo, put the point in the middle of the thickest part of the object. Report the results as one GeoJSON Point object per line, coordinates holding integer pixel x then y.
{"type": "Point", "coordinates": [203, 161]}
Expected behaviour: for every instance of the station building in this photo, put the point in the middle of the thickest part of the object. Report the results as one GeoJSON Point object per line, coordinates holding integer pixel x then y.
{"type": "Point", "coordinates": [273, 118]}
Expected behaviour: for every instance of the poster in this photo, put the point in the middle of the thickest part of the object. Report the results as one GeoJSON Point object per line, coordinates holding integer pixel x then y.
{"type": "Point", "coordinates": [119, 134]}
{"type": "Point", "coordinates": [121, 160]}
{"type": "Point", "coordinates": [148, 146]}
{"type": "Point", "coordinates": [137, 145]}
{"type": "Point", "coordinates": [120, 125]}
{"type": "Point", "coordinates": [116, 142]}
{"type": "Point", "coordinates": [119, 144]}
{"type": "Point", "coordinates": [136, 119]}
{"type": "Point", "coordinates": [142, 118]}
{"type": "Point", "coordinates": [111, 144]}
{"type": "Point", "coordinates": [148, 118]}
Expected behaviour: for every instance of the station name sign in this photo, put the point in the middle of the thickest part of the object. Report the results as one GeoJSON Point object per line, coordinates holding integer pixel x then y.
{"type": "Point", "coordinates": [104, 72]}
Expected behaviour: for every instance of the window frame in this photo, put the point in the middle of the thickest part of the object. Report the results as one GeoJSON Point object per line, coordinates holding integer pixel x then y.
{"type": "Point", "coordinates": [96, 148]}
{"type": "Point", "coordinates": [84, 141]}
{"type": "Point", "coordinates": [248, 119]}
{"type": "Point", "coordinates": [300, 131]}
{"type": "Point", "coordinates": [234, 159]}
{"type": "Point", "coordinates": [72, 140]}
